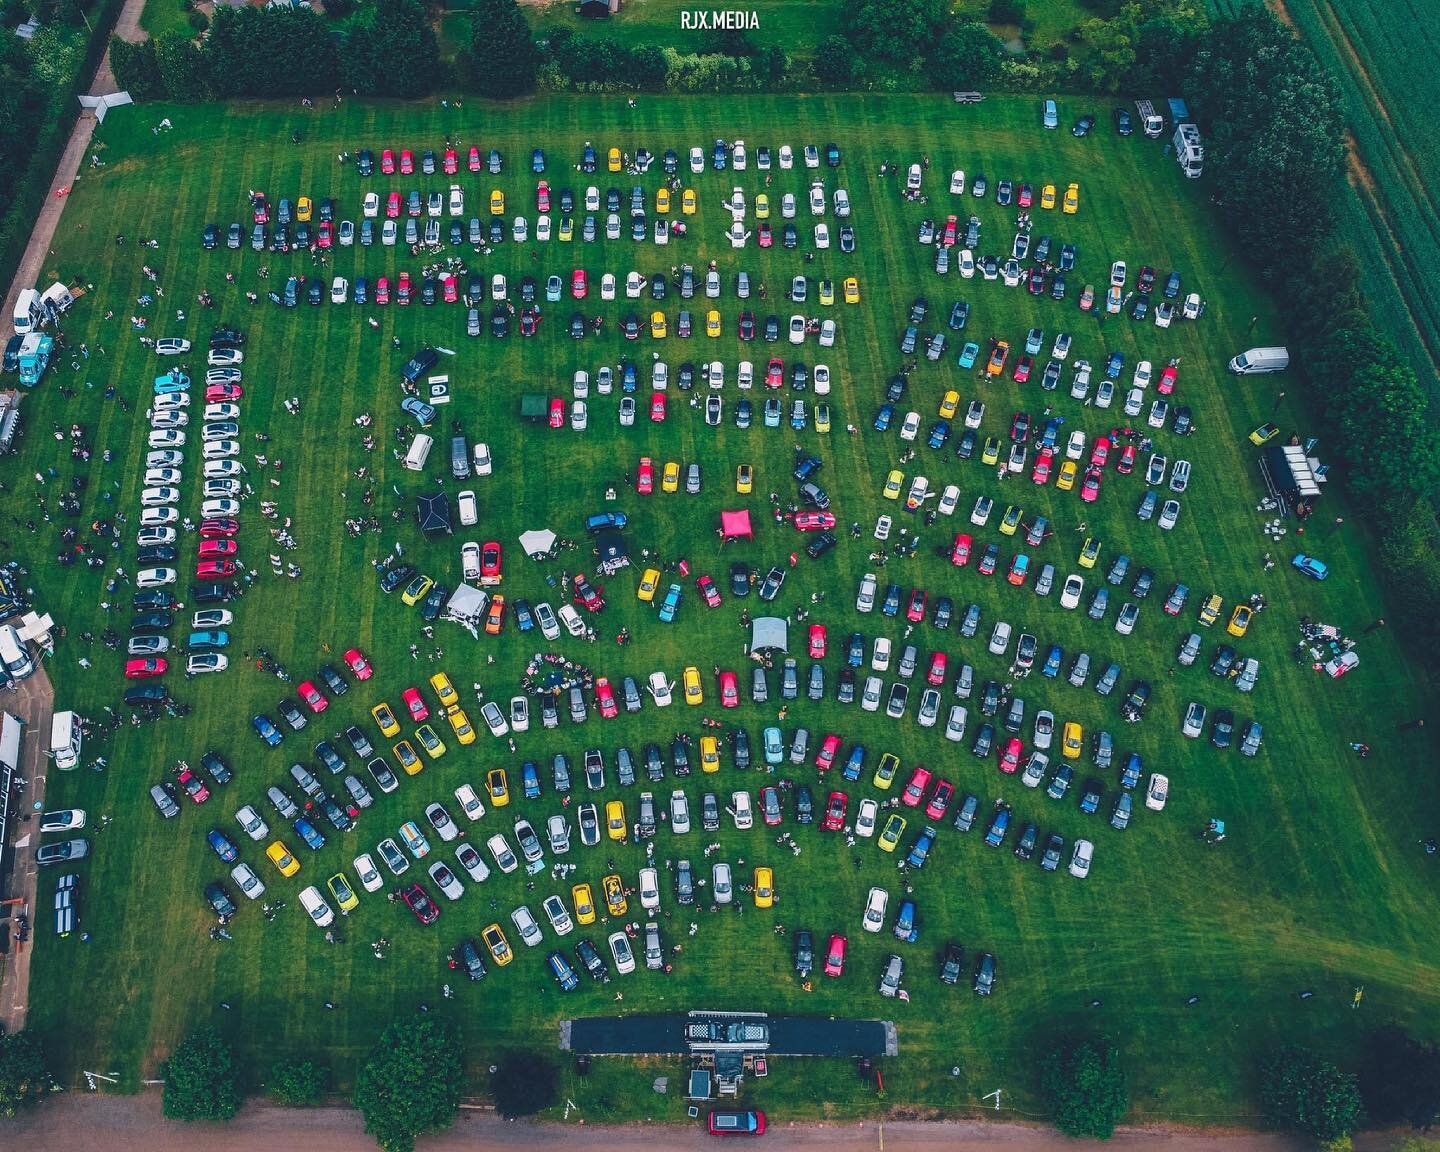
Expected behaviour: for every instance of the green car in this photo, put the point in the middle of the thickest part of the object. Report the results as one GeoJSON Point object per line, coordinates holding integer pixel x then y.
{"type": "Point", "coordinates": [1265, 433]}
{"type": "Point", "coordinates": [891, 833]}
{"type": "Point", "coordinates": [345, 897]}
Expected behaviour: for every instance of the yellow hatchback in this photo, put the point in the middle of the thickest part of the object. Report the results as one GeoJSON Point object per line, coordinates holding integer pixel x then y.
{"type": "Point", "coordinates": [1072, 200]}
{"type": "Point", "coordinates": [444, 689]}
{"type": "Point", "coordinates": [670, 478]}
{"type": "Point", "coordinates": [712, 323]}
{"type": "Point", "coordinates": [1047, 197]}
{"type": "Point", "coordinates": [566, 231]}
{"type": "Point", "coordinates": [498, 785]}
{"type": "Point", "coordinates": [852, 290]}
{"type": "Point", "coordinates": [1010, 522]}
{"type": "Point", "coordinates": [764, 887]}
{"type": "Point", "coordinates": [460, 723]}
{"type": "Point", "coordinates": [1066, 479]}
{"type": "Point", "coordinates": [612, 160]}
{"type": "Point", "coordinates": [303, 209]}
{"type": "Point", "coordinates": [658, 328]}
{"type": "Point", "coordinates": [497, 203]}
{"type": "Point", "coordinates": [744, 479]}
{"type": "Point", "coordinates": [662, 201]}
{"type": "Point", "coordinates": [583, 897]}
{"type": "Point", "coordinates": [430, 742]}
{"type": "Point", "coordinates": [1089, 552]}
{"type": "Point", "coordinates": [827, 292]}
{"type": "Point", "coordinates": [649, 581]}
{"type": "Point", "coordinates": [687, 202]}
{"type": "Point", "coordinates": [949, 405]}
{"type": "Point", "coordinates": [385, 718]}
{"type": "Point", "coordinates": [494, 937]}
{"type": "Point", "coordinates": [1239, 620]}
{"type": "Point", "coordinates": [615, 825]}
{"type": "Point", "coordinates": [694, 693]}
{"type": "Point", "coordinates": [1072, 741]}
{"type": "Point", "coordinates": [885, 773]}
{"type": "Point", "coordinates": [709, 754]}
{"type": "Point", "coordinates": [408, 757]}
{"type": "Point", "coordinates": [280, 856]}
{"type": "Point", "coordinates": [893, 483]}
{"type": "Point", "coordinates": [762, 207]}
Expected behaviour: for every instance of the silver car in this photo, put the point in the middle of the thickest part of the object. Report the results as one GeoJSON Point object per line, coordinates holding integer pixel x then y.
{"type": "Point", "coordinates": [721, 888]}
{"type": "Point", "coordinates": [555, 912]}
{"type": "Point", "coordinates": [525, 924]}
{"type": "Point", "coordinates": [1194, 722]}
{"type": "Point", "coordinates": [557, 831]}
{"type": "Point", "coordinates": [446, 880]}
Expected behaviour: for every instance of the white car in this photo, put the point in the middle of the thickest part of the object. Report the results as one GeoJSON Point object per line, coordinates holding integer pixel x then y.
{"type": "Point", "coordinates": [370, 207]}
{"type": "Point", "coordinates": [865, 598]}
{"type": "Point", "coordinates": [722, 888]}
{"type": "Point", "coordinates": [821, 380]}
{"type": "Point", "coordinates": [251, 824]}
{"type": "Point", "coordinates": [314, 904]}
{"type": "Point", "coordinates": [222, 469]}
{"type": "Point", "coordinates": [1080, 858]}
{"type": "Point", "coordinates": [480, 456]}
{"type": "Point", "coordinates": [470, 860]}
{"type": "Point", "coordinates": [679, 812]}
{"type": "Point", "coordinates": [1075, 445]}
{"type": "Point", "coordinates": [955, 723]}
{"type": "Point", "coordinates": [469, 509]}
{"type": "Point", "coordinates": [222, 411]}
{"type": "Point", "coordinates": [571, 619]}
{"type": "Point", "coordinates": [446, 880]}
{"type": "Point", "coordinates": [607, 281]}
{"type": "Point", "coordinates": [1169, 514]}
{"type": "Point", "coordinates": [1143, 372]}
{"type": "Point", "coordinates": [870, 694]}
{"type": "Point", "coordinates": [222, 357]}
{"type": "Point", "coordinates": [634, 285]}
{"type": "Point", "coordinates": [980, 514]}
{"type": "Point", "coordinates": [442, 823]}
{"type": "Point", "coordinates": [545, 617]}
{"type": "Point", "coordinates": [957, 182]}
{"type": "Point", "coordinates": [171, 419]}
{"type": "Point", "coordinates": [949, 500]}
{"type": "Point", "coordinates": [163, 476]}
{"type": "Point", "coordinates": [741, 811]}
{"type": "Point", "coordinates": [500, 852]}
{"type": "Point", "coordinates": [171, 346]}
{"type": "Point", "coordinates": [883, 525]}
{"type": "Point", "coordinates": [620, 950]}
{"type": "Point", "coordinates": [339, 290]}
{"type": "Point", "coordinates": [220, 450]}
{"type": "Point", "coordinates": [650, 889]}
{"type": "Point", "coordinates": [470, 560]}
{"type": "Point", "coordinates": [166, 438]}
{"type": "Point", "coordinates": [159, 517]}
{"type": "Point", "coordinates": [697, 159]}
{"type": "Point", "coordinates": [910, 428]}
{"type": "Point", "coordinates": [865, 817]}
{"type": "Point", "coordinates": [494, 718]}
{"type": "Point", "coordinates": [519, 714]}
{"type": "Point", "coordinates": [526, 925]}
{"type": "Point", "coordinates": [822, 236]}
{"type": "Point", "coordinates": [875, 904]}
{"type": "Point", "coordinates": [470, 803]}
{"type": "Point", "coordinates": [499, 289]}
{"type": "Point", "coordinates": [1117, 274]}
{"type": "Point", "coordinates": [558, 915]}
{"type": "Point", "coordinates": [797, 330]}
{"type": "Point", "coordinates": [1071, 591]}
{"type": "Point", "coordinates": [198, 663]}
{"type": "Point", "coordinates": [154, 577]}
{"type": "Point", "coordinates": [659, 687]}
{"type": "Point", "coordinates": [1000, 638]}
{"type": "Point", "coordinates": [817, 199]}
{"type": "Point", "coordinates": [975, 414]}
{"type": "Point", "coordinates": [222, 509]}
{"type": "Point", "coordinates": [366, 872]}
{"type": "Point", "coordinates": [828, 331]}
{"type": "Point", "coordinates": [1157, 792]}
{"type": "Point", "coordinates": [786, 156]}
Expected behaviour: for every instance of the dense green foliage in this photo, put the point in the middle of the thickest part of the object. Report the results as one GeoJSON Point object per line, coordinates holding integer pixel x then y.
{"type": "Point", "coordinates": [24, 1078]}
{"type": "Point", "coordinates": [503, 57]}
{"type": "Point", "coordinates": [1302, 1091]}
{"type": "Point", "coordinates": [1400, 1079]}
{"type": "Point", "coordinates": [295, 1083]}
{"type": "Point", "coordinates": [411, 1082]}
{"type": "Point", "coordinates": [1085, 1088]}
{"type": "Point", "coordinates": [200, 1078]}
{"type": "Point", "coordinates": [523, 1084]}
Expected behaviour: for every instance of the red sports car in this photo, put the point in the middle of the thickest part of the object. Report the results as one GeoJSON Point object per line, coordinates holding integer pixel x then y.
{"type": "Point", "coordinates": [407, 162]}
{"type": "Point", "coordinates": [215, 569]}
{"type": "Point", "coordinates": [392, 205]}
{"type": "Point", "coordinates": [216, 529]}
{"type": "Point", "coordinates": [952, 226]}
{"type": "Point", "coordinates": [765, 235]}
{"type": "Point", "coordinates": [542, 196]}
{"type": "Point", "coordinates": [915, 610]}
{"type": "Point", "coordinates": [382, 290]}
{"type": "Point", "coordinates": [829, 749]}
{"type": "Point", "coordinates": [1027, 196]}
{"type": "Point", "coordinates": [194, 786]}
{"type": "Point", "coordinates": [451, 289]}
{"type": "Point", "coordinates": [1100, 454]}
{"type": "Point", "coordinates": [709, 591]}
{"type": "Point", "coordinates": [1090, 487]}
{"type": "Point", "coordinates": [415, 705]}
{"type": "Point", "coordinates": [835, 956]}
{"type": "Point", "coordinates": [312, 696]}
{"type": "Point", "coordinates": [211, 549]}
{"type": "Point", "coordinates": [989, 560]}
{"type": "Point", "coordinates": [729, 690]}
{"type": "Point", "coordinates": [645, 477]}
{"type": "Point", "coordinates": [1167, 380]}
{"type": "Point", "coordinates": [1126, 464]}
{"type": "Point", "coordinates": [1041, 472]}
{"type": "Point", "coordinates": [325, 234]}
{"type": "Point", "coordinates": [579, 284]}
{"type": "Point", "coordinates": [402, 289]}
{"type": "Point", "coordinates": [358, 665]}
{"type": "Point", "coordinates": [814, 521]}
{"type": "Point", "coordinates": [915, 789]}
{"type": "Point", "coordinates": [605, 698]}
{"type": "Point", "coordinates": [960, 552]}
{"type": "Point", "coordinates": [940, 800]}
{"type": "Point", "coordinates": [473, 161]}
{"type": "Point", "coordinates": [145, 667]}
{"type": "Point", "coordinates": [387, 162]}
{"type": "Point", "coordinates": [835, 812]}
{"type": "Point", "coordinates": [817, 641]}
{"type": "Point", "coordinates": [1010, 756]}
{"type": "Point", "coordinates": [938, 664]}
{"type": "Point", "coordinates": [490, 561]}
{"type": "Point", "coordinates": [657, 408]}
{"type": "Point", "coordinates": [452, 162]}
{"type": "Point", "coordinates": [774, 372]}
{"type": "Point", "coordinates": [223, 393]}
{"type": "Point", "coordinates": [1022, 368]}
{"type": "Point", "coordinates": [587, 595]}
{"type": "Point", "coordinates": [419, 902]}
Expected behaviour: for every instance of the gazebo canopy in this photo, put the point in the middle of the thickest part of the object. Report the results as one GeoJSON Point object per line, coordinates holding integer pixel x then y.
{"type": "Point", "coordinates": [432, 513]}
{"type": "Point", "coordinates": [769, 632]}
{"type": "Point", "coordinates": [736, 525]}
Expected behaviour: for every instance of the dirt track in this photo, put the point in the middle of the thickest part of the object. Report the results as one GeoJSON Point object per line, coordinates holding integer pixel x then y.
{"type": "Point", "coordinates": [85, 1123]}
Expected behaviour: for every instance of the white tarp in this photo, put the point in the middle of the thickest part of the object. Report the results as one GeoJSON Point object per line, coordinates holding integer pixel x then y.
{"type": "Point", "coordinates": [101, 104]}
{"type": "Point", "coordinates": [769, 632]}
{"type": "Point", "coordinates": [537, 542]}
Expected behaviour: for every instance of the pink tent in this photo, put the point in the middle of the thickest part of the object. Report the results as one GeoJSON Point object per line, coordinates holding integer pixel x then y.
{"type": "Point", "coordinates": [736, 526]}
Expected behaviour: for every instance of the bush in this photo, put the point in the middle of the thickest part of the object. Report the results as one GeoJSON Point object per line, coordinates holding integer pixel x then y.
{"type": "Point", "coordinates": [410, 1083]}
{"type": "Point", "coordinates": [24, 1080]}
{"type": "Point", "coordinates": [1301, 1090]}
{"type": "Point", "coordinates": [200, 1079]}
{"type": "Point", "coordinates": [835, 64]}
{"type": "Point", "coordinates": [198, 21]}
{"type": "Point", "coordinates": [296, 1083]}
{"type": "Point", "coordinates": [1006, 12]}
{"type": "Point", "coordinates": [1085, 1087]}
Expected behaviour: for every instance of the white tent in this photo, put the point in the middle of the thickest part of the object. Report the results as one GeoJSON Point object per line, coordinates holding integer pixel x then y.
{"type": "Point", "coordinates": [537, 542]}
{"type": "Point", "coordinates": [769, 632]}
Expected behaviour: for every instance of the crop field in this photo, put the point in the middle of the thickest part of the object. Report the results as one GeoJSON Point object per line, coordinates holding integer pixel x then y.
{"type": "Point", "coordinates": [1191, 955]}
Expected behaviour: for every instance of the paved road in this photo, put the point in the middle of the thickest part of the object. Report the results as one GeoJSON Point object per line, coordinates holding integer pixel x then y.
{"type": "Point", "coordinates": [101, 1123]}
{"type": "Point", "coordinates": [33, 703]}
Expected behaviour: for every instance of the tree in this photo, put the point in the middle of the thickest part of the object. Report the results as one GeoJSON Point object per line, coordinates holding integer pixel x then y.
{"type": "Point", "coordinates": [1112, 54]}
{"type": "Point", "coordinates": [967, 56]}
{"type": "Point", "coordinates": [200, 1078]}
{"type": "Point", "coordinates": [1400, 1079]}
{"type": "Point", "coordinates": [1006, 12]}
{"type": "Point", "coordinates": [267, 53]}
{"type": "Point", "coordinates": [1299, 1089]}
{"type": "Point", "coordinates": [136, 68]}
{"type": "Point", "coordinates": [504, 59]}
{"type": "Point", "coordinates": [727, 42]}
{"type": "Point", "coordinates": [391, 50]}
{"type": "Point", "coordinates": [183, 67]}
{"type": "Point", "coordinates": [1085, 1086]}
{"type": "Point", "coordinates": [523, 1083]}
{"type": "Point", "coordinates": [835, 62]}
{"type": "Point", "coordinates": [893, 32]}
{"type": "Point", "coordinates": [296, 1083]}
{"type": "Point", "coordinates": [24, 1080]}
{"type": "Point", "coordinates": [410, 1084]}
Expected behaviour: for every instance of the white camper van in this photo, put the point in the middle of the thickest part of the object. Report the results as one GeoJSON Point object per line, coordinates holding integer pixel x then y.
{"type": "Point", "coordinates": [65, 739]}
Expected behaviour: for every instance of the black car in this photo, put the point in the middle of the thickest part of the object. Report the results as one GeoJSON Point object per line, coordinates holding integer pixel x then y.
{"type": "Point", "coordinates": [12, 353]}
{"type": "Point", "coordinates": [431, 605]}
{"type": "Point", "coordinates": [679, 757]}
{"type": "Point", "coordinates": [337, 684]}
{"type": "Point", "coordinates": [952, 963]}
{"type": "Point", "coordinates": [1083, 126]}
{"type": "Point", "coordinates": [332, 760]}
{"type": "Point", "coordinates": [1135, 700]}
{"type": "Point", "coordinates": [847, 238]}
{"type": "Point", "coordinates": [984, 740]}
{"type": "Point", "coordinates": [821, 544]}
{"type": "Point", "coordinates": [806, 467]}
{"type": "Point", "coordinates": [290, 712]}
{"type": "Point", "coordinates": [1123, 123]}
{"type": "Point", "coordinates": [773, 582]}
{"type": "Point", "coordinates": [146, 695]}
{"type": "Point", "coordinates": [1050, 857]}
{"type": "Point", "coordinates": [468, 958]}
{"type": "Point", "coordinates": [396, 575]}
{"type": "Point", "coordinates": [1224, 660]}
{"type": "Point", "coordinates": [985, 975]}
{"type": "Point", "coordinates": [1025, 848]}
{"type": "Point", "coordinates": [210, 238]}
{"type": "Point", "coordinates": [654, 764]}
{"type": "Point", "coordinates": [739, 579]}
{"type": "Point", "coordinates": [965, 814]}
{"type": "Point", "coordinates": [804, 805]}
{"type": "Point", "coordinates": [591, 959]}
{"type": "Point", "coordinates": [1222, 727]}
{"type": "Point", "coordinates": [740, 748]}
{"type": "Point", "coordinates": [219, 900]}
{"type": "Point", "coordinates": [216, 768]}
{"type": "Point", "coordinates": [499, 322]}
{"type": "Point", "coordinates": [365, 162]}
{"type": "Point", "coordinates": [684, 883]}
{"type": "Point", "coordinates": [359, 742]}
{"type": "Point", "coordinates": [804, 952]}
{"type": "Point", "coordinates": [959, 314]}
{"type": "Point", "coordinates": [150, 622]}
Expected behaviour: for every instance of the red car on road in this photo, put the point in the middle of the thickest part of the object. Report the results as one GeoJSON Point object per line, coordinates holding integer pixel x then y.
{"type": "Point", "coordinates": [835, 812]}
{"type": "Point", "coordinates": [415, 705]}
{"type": "Point", "coordinates": [357, 663]}
{"type": "Point", "coordinates": [313, 698]}
{"type": "Point", "coordinates": [817, 641]}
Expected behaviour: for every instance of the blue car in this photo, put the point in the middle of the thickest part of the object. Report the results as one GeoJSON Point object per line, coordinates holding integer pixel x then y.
{"type": "Point", "coordinates": [855, 650]}
{"type": "Point", "coordinates": [721, 156]}
{"type": "Point", "coordinates": [1114, 364]}
{"type": "Point", "coordinates": [603, 520]}
{"type": "Point", "coordinates": [173, 381]}
{"type": "Point", "coordinates": [266, 730]}
{"type": "Point", "coordinates": [587, 164]}
{"type": "Point", "coordinates": [563, 973]}
{"type": "Point", "coordinates": [920, 850]}
{"type": "Point", "coordinates": [774, 746]}
{"type": "Point", "coordinates": [310, 834]}
{"type": "Point", "coordinates": [855, 764]}
{"type": "Point", "coordinates": [905, 928]}
{"type": "Point", "coordinates": [530, 776]}
{"type": "Point", "coordinates": [223, 848]}
{"type": "Point", "coordinates": [1052, 662]}
{"type": "Point", "coordinates": [884, 416]}
{"type": "Point", "coordinates": [939, 433]}
{"type": "Point", "coordinates": [537, 161]}
{"type": "Point", "coordinates": [524, 618]}
{"type": "Point", "coordinates": [671, 604]}
{"type": "Point", "coordinates": [1309, 566]}
{"type": "Point", "coordinates": [629, 378]}
{"type": "Point", "coordinates": [1133, 770]}
{"type": "Point", "coordinates": [208, 640]}
{"type": "Point", "coordinates": [362, 290]}
{"type": "Point", "coordinates": [995, 835]}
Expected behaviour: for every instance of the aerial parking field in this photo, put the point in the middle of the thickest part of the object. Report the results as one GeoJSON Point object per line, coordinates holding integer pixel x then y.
{"type": "Point", "coordinates": [989, 707]}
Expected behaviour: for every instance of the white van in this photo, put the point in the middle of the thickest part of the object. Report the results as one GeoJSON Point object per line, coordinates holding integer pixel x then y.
{"type": "Point", "coordinates": [1257, 360]}
{"type": "Point", "coordinates": [27, 311]}
{"type": "Point", "coordinates": [419, 452]}
{"type": "Point", "coordinates": [65, 739]}
{"type": "Point", "coordinates": [14, 656]}
{"type": "Point", "coordinates": [571, 619]}
{"type": "Point", "coordinates": [56, 298]}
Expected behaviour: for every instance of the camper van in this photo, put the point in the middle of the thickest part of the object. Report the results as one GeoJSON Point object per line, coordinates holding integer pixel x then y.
{"type": "Point", "coordinates": [65, 739]}
{"type": "Point", "coordinates": [55, 301]}
{"type": "Point", "coordinates": [419, 452]}
{"type": "Point", "coordinates": [14, 656]}
{"type": "Point", "coordinates": [459, 458]}
{"type": "Point", "coordinates": [27, 311]}
{"type": "Point", "coordinates": [1257, 360]}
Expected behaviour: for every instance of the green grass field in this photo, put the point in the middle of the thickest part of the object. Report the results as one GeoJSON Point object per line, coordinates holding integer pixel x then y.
{"type": "Point", "coordinates": [1320, 885]}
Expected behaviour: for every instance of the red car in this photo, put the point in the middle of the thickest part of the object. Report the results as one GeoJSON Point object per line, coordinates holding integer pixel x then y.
{"type": "Point", "coordinates": [774, 372]}
{"type": "Point", "coordinates": [473, 161]}
{"type": "Point", "coordinates": [314, 699]}
{"type": "Point", "coordinates": [817, 641]}
{"type": "Point", "coordinates": [657, 408]}
{"type": "Point", "coordinates": [729, 690]}
{"type": "Point", "coordinates": [1010, 756]}
{"type": "Point", "coordinates": [829, 749]}
{"type": "Point", "coordinates": [215, 569]}
{"type": "Point", "coordinates": [938, 663]}
{"type": "Point", "coordinates": [915, 790]}
{"type": "Point", "coordinates": [960, 552]}
{"type": "Point", "coordinates": [358, 665]}
{"type": "Point", "coordinates": [735, 1122]}
{"type": "Point", "coordinates": [814, 521]}
{"type": "Point", "coordinates": [1022, 368]}
{"type": "Point", "coordinates": [387, 162]}
{"type": "Point", "coordinates": [419, 902]}
{"type": "Point", "coordinates": [835, 955]}
{"type": "Point", "coordinates": [542, 196]}
{"type": "Point", "coordinates": [557, 412]}
{"type": "Point", "coordinates": [490, 561]}
{"type": "Point", "coordinates": [217, 529]}
{"type": "Point", "coordinates": [261, 209]}
{"type": "Point", "coordinates": [770, 806]}
{"type": "Point", "coordinates": [1100, 454]}
{"type": "Point", "coordinates": [382, 291]}
{"type": "Point", "coordinates": [1167, 380]}
{"type": "Point", "coordinates": [835, 812]}
{"type": "Point", "coordinates": [223, 393]}
{"type": "Point", "coordinates": [392, 205]}
{"type": "Point", "coordinates": [414, 704]}
{"type": "Point", "coordinates": [210, 549]}
{"type": "Point", "coordinates": [765, 236]}
{"type": "Point", "coordinates": [194, 786]}
{"type": "Point", "coordinates": [452, 162]}
{"type": "Point", "coordinates": [1041, 472]}
{"type": "Point", "coordinates": [587, 595]}
{"type": "Point", "coordinates": [915, 610]}
{"type": "Point", "coordinates": [605, 698]}
{"type": "Point", "coordinates": [579, 284]}
{"type": "Point", "coordinates": [1019, 569]}
{"type": "Point", "coordinates": [940, 800]}
{"type": "Point", "coordinates": [407, 162]}
{"type": "Point", "coordinates": [952, 226]}
{"type": "Point", "coordinates": [1027, 196]}
{"type": "Point", "coordinates": [1090, 487]}
{"type": "Point", "coordinates": [1126, 464]}
{"type": "Point", "coordinates": [402, 289]}
{"type": "Point", "coordinates": [325, 234]}
{"type": "Point", "coordinates": [145, 667]}
{"type": "Point", "coordinates": [645, 477]}
{"type": "Point", "coordinates": [709, 591]}
{"type": "Point", "coordinates": [451, 289]}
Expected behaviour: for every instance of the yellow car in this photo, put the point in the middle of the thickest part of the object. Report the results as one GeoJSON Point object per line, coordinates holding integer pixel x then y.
{"type": "Point", "coordinates": [658, 329]}
{"type": "Point", "coordinates": [444, 689]}
{"type": "Point", "coordinates": [762, 207]}
{"type": "Point", "coordinates": [1239, 620]}
{"type": "Point", "coordinates": [303, 210]}
{"type": "Point", "coordinates": [649, 581]}
{"type": "Point", "coordinates": [614, 889]}
{"type": "Point", "coordinates": [893, 483]}
{"type": "Point", "coordinates": [764, 887]}
{"type": "Point", "coordinates": [494, 937]}
{"type": "Point", "coordinates": [1072, 200]}
{"type": "Point", "coordinates": [949, 405]}
{"type": "Point", "coordinates": [712, 323]}
{"type": "Point", "coordinates": [827, 292]}
{"type": "Point", "coordinates": [1011, 520]}
{"type": "Point", "coordinates": [1066, 479]}
{"type": "Point", "coordinates": [1089, 552]}
{"type": "Point", "coordinates": [662, 201]}
{"type": "Point", "coordinates": [498, 785]}
{"type": "Point", "coordinates": [345, 898]}
{"type": "Point", "coordinates": [497, 203]}
{"type": "Point", "coordinates": [583, 897]}
{"type": "Point", "coordinates": [430, 742]}
{"type": "Point", "coordinates": [709, 754]}
{"type": "Point", "coordinates": [1047, 196]}
{"type": "Point", "coordinates": [385, 718]}
{"type": "Point", "coordinates": [615, 825]}
{"type": "Point", "coordinates": [408, 757]}
{"type": "Point", "coordinates": [822, 417]}
{"type": "Point", "coordinates": [566, 231]}
{"type": "Point", "coordinates": [990, 454]}
{"type": "Point", "coordinates": [280, 856]}
{"type": "Point", "coordinates": [612, 160]}
{"type": "Point", "coordinates": [687, 202]}
{"type": "Point", "coordinates": [416, 591]}
{"type": "Point", "coordinates": [744, 479]}
{"type": "Point", "coordinates": [885, 773]}
{"type": "Point", "coordinates": [694, 694]}
{"type": "Point", "coordinates": [460, 723]}
{"type": "Point", "coordinates": [852, 290]}
{"type": "Point", "coordinates": [891, 833]}
{"type": "Point", "coordinates": [1072, 741]}
{"type": "Point", "coordinates": [670, 478]}
{"type": "Point", "coordinates": [1210, 610]}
